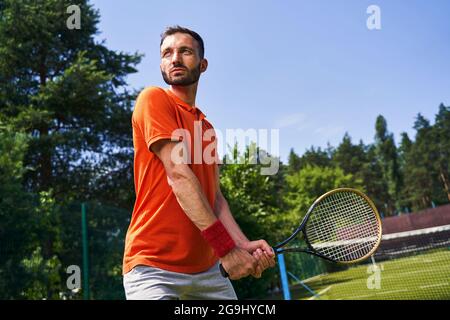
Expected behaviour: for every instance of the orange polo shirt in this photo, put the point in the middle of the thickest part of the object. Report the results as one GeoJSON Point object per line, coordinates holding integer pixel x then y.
{"type": "Point", "coordinates": [160, 234]}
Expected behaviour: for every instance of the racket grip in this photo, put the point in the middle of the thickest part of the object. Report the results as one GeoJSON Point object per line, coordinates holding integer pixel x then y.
{"type": "Point", "coordinates": [223, 272]}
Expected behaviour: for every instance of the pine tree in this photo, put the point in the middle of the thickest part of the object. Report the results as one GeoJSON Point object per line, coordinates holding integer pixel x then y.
{"type": "Point", "coordinates": [350, 157]}
{"type": "Point", "coordinates": [67, 92]}
{"type": "Point", "coordinates": [316, 157]}
{"type": "Point", "coordinates": [442, 142]}
{"type": "Point", "coordinates": [418, 170]}
{"type": "Point", "coordinates": [386, 153]}
{"type": "Point", "coordinates": [294, 163]}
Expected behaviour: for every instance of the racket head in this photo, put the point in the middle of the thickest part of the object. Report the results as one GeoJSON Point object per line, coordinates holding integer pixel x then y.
{"type": "Point", "coordinates": [343, 225]}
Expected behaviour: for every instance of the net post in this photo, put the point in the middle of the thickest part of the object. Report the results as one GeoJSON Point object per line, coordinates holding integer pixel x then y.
{"type": "Point", "coordinates": [284, 279]}
{"type": "Point", "coordinates": [86, 293]}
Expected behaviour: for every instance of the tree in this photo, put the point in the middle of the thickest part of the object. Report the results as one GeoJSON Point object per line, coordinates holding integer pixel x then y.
{"type": "Point", "coordinates": [69, 94]}
{"type": "Point", "coordinates": [12, 149]}
{"type": "Point", "coordinates": [405, 161]}
{"type": "Point", "coordinates": [350, 157]}
{"type": "Point", "coordinates": [442, 142]}
{"type": "Point", "coordinates": [256, 203]}
{"type": "Point", "coordinates": [29, 235]}
{"type": "Point", "coordinates": [418, 167]}
{"type": "Point", "coordinates": [386, 152]}
{"type": "Point", "coordinates": [316, 157]}
{"type": "Point", "coordinates": [294, 162]}
{"type": "Point", "coordinates": [309, 183]}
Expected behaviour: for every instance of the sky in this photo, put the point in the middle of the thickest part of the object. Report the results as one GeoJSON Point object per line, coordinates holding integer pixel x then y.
{"type": "Point", "coordinates": [311, 69]}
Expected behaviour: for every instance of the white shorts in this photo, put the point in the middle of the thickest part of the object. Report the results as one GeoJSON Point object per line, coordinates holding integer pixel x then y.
{"type": "Point", "coordinates": [149, 283]}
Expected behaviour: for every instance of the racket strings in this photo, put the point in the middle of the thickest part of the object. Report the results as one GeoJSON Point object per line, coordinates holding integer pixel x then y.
{"type": "Point", "coordinates": [348, 243]}
{"type": "Point", "coordinates": [361, 221]}
{"type": "Point", "coordinates": [343, 226]}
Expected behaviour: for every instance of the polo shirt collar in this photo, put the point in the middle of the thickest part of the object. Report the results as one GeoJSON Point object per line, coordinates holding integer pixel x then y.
{"type": "Point", "coordinates": [186, 106]}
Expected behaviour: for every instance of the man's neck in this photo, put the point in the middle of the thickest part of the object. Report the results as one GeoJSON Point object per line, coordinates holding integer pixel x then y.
{"type": "Point", "coordinates": [185, 93]}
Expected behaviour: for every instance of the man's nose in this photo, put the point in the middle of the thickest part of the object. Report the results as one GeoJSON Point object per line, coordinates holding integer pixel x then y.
{"type": "Point", "coordinates": [176, 58]}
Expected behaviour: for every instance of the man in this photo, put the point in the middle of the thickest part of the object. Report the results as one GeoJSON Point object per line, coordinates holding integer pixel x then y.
{"type": "Point", "coordinates": [181, 224]}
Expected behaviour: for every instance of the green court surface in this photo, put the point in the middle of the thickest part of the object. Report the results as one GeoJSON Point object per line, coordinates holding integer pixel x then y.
{"type": "Point", "coordinates": [422, 276]}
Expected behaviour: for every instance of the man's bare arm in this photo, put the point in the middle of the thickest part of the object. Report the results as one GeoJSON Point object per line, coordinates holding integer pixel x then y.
{"type": "Point", "coordinates": [187, 189]}
{"type": "Point", "coordinates": [185, 186]}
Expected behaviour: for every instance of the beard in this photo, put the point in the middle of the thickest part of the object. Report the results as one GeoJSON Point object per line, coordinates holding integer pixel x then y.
{"type": "Point", "coordinates": [191, 76]}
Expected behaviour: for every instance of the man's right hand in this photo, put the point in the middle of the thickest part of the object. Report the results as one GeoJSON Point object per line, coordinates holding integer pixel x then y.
{"type": "Point", "coordinates": [238, 263]}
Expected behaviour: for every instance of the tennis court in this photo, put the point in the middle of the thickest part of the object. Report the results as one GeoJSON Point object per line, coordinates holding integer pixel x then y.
{"type": "Point", "coordinates": [412, 262]}
{"type": "Point", "coordinates": [423, 276]}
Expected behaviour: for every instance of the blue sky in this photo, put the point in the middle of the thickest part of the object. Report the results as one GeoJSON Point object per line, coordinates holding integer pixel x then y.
{"type": "Point", "coordinates": [311, 68]}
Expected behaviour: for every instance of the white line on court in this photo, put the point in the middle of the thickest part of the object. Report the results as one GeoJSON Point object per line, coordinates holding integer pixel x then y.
{"type": "Point", "coordinates": [320, 293]}
{"type": "Point", "coordinates": [435, 285]}
{"type": "Point", "coordinates": [392, 291]}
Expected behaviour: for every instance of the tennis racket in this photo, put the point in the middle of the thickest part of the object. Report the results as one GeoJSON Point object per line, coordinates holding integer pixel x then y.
{"type": "Point", "coordinates": [341, 226]}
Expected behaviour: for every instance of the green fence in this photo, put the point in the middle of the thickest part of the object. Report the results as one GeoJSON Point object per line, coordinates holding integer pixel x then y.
{"type": "Point", "coordinates": [79, 256]}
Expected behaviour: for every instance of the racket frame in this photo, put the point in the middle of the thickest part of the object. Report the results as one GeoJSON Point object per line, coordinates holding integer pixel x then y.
{"type": "Point", "coordinates": [301, 228]}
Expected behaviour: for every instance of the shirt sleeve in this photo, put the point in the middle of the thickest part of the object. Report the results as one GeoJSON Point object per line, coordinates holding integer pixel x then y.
{"type": "Point", "coordinates": [155, 117]}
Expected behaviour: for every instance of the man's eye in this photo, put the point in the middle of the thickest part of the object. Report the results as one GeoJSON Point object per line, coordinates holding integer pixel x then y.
{"type": "Point", "coordinates": [166, 54]}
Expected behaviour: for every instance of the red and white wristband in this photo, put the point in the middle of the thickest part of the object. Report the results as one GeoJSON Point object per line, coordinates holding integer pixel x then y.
{"type": "Point", "coordinates": [219, 238]}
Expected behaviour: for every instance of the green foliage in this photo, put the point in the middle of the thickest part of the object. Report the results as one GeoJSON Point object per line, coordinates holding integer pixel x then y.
{"type": "Point", "coordinates": [316, 157]}
{"type": "Point", "coordinates": [426, 162]}
{"type": "Point", "coordinates": [294, 162]}
{"type": "Point", "coordinates": [13, 146]}
{"type": "Point", "coordinates": [69, 94]}
{"type": "Point", "coordinates": [441, 135]}
{"type": "Point", "coordinates": [310, 182]}
{"type": "Point", "coordinates": [254, 200]}
{"type": "Point", "coordinates": [44, 275]}
{"type": "Point", "coordinates": [29, 229]}
{"type": "Point", "coordinates": [65, 134]}
{"type": "Point", "coordinates": [349, 157]}
{"type": "Point", "coordinates": [386, 153]}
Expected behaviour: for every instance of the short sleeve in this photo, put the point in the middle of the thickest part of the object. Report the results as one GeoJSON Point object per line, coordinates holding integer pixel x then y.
{"type": "Point", "coordinates": [155, 116]}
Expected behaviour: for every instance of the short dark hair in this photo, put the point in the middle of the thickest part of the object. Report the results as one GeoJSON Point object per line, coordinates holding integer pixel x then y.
{"type": "Point", "coordinates": [177, 29]}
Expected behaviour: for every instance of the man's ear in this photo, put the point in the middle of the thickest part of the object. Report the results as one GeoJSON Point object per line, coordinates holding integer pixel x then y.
{"type": "Point", "coordinates": [203, 65]}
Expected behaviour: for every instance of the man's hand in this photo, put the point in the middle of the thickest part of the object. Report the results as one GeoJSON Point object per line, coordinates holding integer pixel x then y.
{"type": "Point", "coordinates": [265, 261]}
{"type": "Point", "coordinates": [239, 263]}
{"type": "Point", "coordinates": [263, 253]}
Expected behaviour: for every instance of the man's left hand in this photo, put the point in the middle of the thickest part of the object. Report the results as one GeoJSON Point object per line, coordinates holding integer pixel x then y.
{"type": "Point", "coordinates": [263, 253]}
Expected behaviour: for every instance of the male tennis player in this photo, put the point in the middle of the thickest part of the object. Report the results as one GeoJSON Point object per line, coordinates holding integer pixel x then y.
{"type": "Point", "coordinates": [181, 226]}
